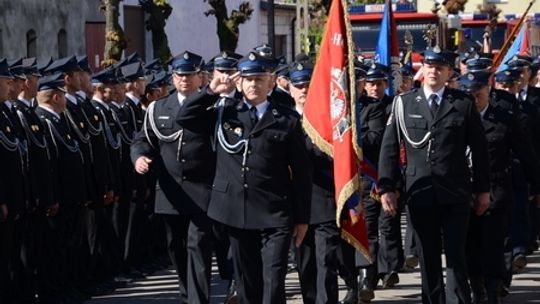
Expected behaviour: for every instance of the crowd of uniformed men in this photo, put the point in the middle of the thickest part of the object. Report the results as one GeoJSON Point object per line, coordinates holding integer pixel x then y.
{"type": "Point", "coordinates": [103, 173]}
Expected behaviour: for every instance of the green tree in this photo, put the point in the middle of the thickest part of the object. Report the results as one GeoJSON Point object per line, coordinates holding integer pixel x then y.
{"type": "Point", "coordinates": [158, 12]}
{"type": "Point", "coordinates": [115, 41]}
{"type": "Point", "coordinates": [227, 25]}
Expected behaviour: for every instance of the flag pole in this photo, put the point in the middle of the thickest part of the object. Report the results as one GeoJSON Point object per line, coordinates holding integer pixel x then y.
{"type": "Point", "coordinates": [498, 59]}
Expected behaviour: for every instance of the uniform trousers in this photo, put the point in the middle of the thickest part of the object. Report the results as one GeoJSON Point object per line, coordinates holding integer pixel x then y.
{"type": "Point", "coordinates": [485, 248]}
{"type": "Point", "coordinates": [317, 263]}
{"type": "Point", "coordinates": [428, 223]}
{"type": "Point", "coordinates": [190, 249]}
{"type": "Point", "coordinates": [260, 263]}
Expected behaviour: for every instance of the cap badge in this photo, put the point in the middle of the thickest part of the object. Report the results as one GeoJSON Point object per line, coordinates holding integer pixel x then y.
{"type": "Point", "coordinates": [437, 49]}
{"type": "Point", "coordinates": [252, 57]}
{"type": "Point", "coordinates": [224, 55]}
{"type": "Point", "coordinates": [186, 56]}
{"type": "Point", "coordinates": [299, 67]}
{"type": "Point", "coordinates": [470, 76]}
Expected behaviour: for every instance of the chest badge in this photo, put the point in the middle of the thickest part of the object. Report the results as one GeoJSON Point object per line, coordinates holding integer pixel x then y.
{"type": "Point", "coordinates": [81, 124]}
{"type": "Point", "coordinates": [226, 126]}
{"type": "Point", "coordinates": [8, 129]}
{"type": "Point", "coordinates": [418, 98]}
{"type": "Point", "coordinates": [96, 118]}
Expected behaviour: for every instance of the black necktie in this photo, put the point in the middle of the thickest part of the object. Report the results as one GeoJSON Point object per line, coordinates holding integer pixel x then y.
{"type": "Point", "coordinates": [253, 115]}
{"type": "Point", "coordinates": [433, 106]}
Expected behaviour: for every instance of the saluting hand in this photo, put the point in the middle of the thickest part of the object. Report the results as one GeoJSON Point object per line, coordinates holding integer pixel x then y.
{"type": "Point", "coordinates": [389, 203]}
{"type": "Point", "coordinates": [481, 203]}
{"type": "Point", "coordinates": [223, 83]}
{"type": "Point", "coordinates": [299, 233]}
{"type": "Point", "coordinates": [142, 165]}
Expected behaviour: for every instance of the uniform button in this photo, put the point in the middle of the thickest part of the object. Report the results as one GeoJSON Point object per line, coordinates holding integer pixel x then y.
{"type": "Point", "coordinates": [183, 160]}
{"type": "Point", "coordinates": [241, 175]}
{"type": "Point", "coordinates": [247, 168]}
{"type": "Point", "coordinates": [183, 178]}
{"type": "Point", "coordinates": [432, 163]}
{"type": "Point", "coordinates": [245, 186]}
{"type": "Point", "coordinates": [249, 152]}
{"type": "Point", "coordinates": [432, 151]}
{"type": "Point", "coordinates": [183, 143]}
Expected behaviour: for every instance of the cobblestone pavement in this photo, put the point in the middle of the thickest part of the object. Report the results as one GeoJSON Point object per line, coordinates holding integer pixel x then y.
{"type": "Point", "coordinates": [161, 288]}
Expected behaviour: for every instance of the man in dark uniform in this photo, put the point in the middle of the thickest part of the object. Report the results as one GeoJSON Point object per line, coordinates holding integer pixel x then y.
{"type": "Point", "coordinates": [317, 256]}
{"type": "Point", "coordinates": [386, 250]}
{"type": "Point", "coordinates": [262, 187]}
{"type": "Point", "coordinates": [22, 249]}
{"type": "Point", "coordinates": [181, 153]}
{"type": "Point", "coordinates": [42, 200]}
{"type": "Point", "coordinates": [525, 216]}
{"type": "Point", "coordinates": [487, 232]}
{"type": "Point", "coordinates": [132, 113]}
{"type": "Point", "coordinates": [68, 179]}
{"type": "Point", "coordinates": [437, 125]}
{"type": "Point", "coordinates": [346, 252]}
{"type": "Point", "coordinates": [13, 193]}
{"type": "Point", "coordinates": [225, 64]}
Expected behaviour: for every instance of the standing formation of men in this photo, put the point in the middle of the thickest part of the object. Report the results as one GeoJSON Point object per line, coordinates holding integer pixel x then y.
{"type": "Point", "coordinates": [107, 172]}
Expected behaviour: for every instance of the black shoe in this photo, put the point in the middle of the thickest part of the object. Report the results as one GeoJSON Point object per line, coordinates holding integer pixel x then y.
{"type": "Point", "coordinates": [411, 262]}
{"type": "Point", "coordinates": [365, 291]}
{"type": "Point", "coordinates": [351, 297]}
{"type": "Point", "coordinates": [519, 262]}
{"type": "Point", "coordinates": [390, 280]}
{"type": "Point", "coordinates": [232, 295]}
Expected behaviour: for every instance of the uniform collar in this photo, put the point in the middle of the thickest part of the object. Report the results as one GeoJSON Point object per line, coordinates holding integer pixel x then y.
{"type": "Point", "coordinates": [261, 107]}
{"type": "Point", "coordinates": [26, 102]}
{"type": "Point", "coordinates": [71, 98]}
{"type": "Point", "coordinates": [136, 100]}
{"type": "Point", "coordinates": [439, 93]}
{"type": "Point", "coordinates": [50, 111]}
{"type": "Point", "coordinates": [102, 103]}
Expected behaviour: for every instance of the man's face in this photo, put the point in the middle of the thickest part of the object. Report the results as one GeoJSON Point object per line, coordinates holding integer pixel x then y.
{"type": "Point", "coordinates": [119, 92]}
{"type": "Point", "coordinates": [406, 84]}
{"type": "Point", "coordinates": [299, 93]}
{"type": "Point", "coordinates": [15, 88]}
{"type": "Point", "coordinates": [481, 97]}
{"type": "Point", "coordinates": [187, 84]}
{"type": "Point", "coordinates": [510, 87]}
{"type": "Point", "coordinates": [256, 88]}
{"type": "Point", "coordinates": [283, 82]}
{"type": "Point", "coordinates": [86, 81]}
{"type": "Point", "coordinates": [59, 100]}
{"type": "Point", "coordinates": [525, 76]}
{"type": "Point", "coordinates": [140, 85]}
{"type": "Point", "coordinates": [73, 81]}
{"type": "Point", "coordinates": [375, 89]}
{"type": "Point", "coordinates": [31, 84]}
{"type": "Point", "coordinates": [4, 88]}
{"type": "Point", "coordinates": [436, 75]}
{"type": "Point", "coordinates": [108, 93]}
{"type": "Point", "coordinates": [360, 86]}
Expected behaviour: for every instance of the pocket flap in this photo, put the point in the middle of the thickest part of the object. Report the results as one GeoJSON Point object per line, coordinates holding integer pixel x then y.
{"type": "Point", "coordinates": [220, 185]}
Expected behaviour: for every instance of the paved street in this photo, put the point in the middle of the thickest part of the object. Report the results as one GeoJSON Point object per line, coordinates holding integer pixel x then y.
{"type": "Point", "coordinates": [161, 288]}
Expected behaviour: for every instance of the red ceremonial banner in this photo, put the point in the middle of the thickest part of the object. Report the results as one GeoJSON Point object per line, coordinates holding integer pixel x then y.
{"type": "Point", "coordinates": [330, 125]}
